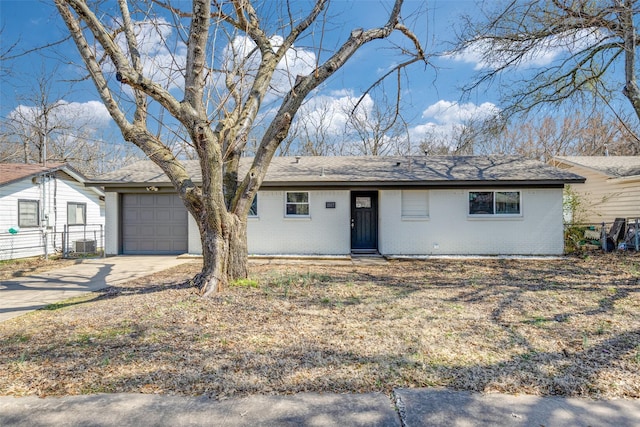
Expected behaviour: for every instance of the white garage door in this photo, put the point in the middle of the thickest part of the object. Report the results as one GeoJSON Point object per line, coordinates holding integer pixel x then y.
{"type": "Point", "coordinates": [153, 224]}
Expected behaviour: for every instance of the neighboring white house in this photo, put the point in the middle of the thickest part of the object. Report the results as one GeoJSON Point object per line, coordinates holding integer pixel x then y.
{"type": "Point", "coordinates": [611, 189]}
{"type": "Point", "coordinates": [38, 203]}
{"type": "Point", "coordinates": [344, 205]}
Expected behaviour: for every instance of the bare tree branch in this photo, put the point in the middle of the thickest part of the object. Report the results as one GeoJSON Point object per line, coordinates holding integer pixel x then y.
{"type": "Point", "coordinates": [590, 38]}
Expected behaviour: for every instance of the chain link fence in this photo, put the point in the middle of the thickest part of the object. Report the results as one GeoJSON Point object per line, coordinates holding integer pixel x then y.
{"type": "Point", "coordinates": [74, 241]}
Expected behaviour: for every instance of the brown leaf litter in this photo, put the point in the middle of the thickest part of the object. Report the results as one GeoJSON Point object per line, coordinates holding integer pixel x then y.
{"type": "Point", "coordinates": [567, 326]}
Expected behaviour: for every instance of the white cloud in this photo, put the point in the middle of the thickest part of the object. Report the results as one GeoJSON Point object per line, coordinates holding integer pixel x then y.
{"type": "Point", "coordinates": [64, 114]}
{"type": "Point", "coordinates": [332, 112]}
{"type": "Point", "coordinates": [448, 112]}
{"type": "Point", "coordinates": [446, 118]}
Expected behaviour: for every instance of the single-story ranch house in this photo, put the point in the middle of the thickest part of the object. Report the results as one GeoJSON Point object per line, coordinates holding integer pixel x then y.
{"type": "Point", "coordinates": [409, 205]}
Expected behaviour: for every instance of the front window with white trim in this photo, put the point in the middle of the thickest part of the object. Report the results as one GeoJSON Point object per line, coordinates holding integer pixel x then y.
{"type": "Point", "coordinates": [495, 203]}
{"type": "Point", "coordinates": [297, 203]}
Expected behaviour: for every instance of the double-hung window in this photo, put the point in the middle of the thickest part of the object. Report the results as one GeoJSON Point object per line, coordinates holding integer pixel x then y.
{"type": "Point", "coordinates": [76, 213]}
{"type": "Point", "coordinates": [495, 203]}
{"type": "Point", "coordinates": [297, 203]}
{"type": "Point", "coordinates": [28, 213]}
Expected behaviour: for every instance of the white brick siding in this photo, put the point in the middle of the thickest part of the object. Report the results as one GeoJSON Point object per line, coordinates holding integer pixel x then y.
{"type": "Point", "coordinates": [325, 232]}
{"type": "Point", "coordinates": [450, 231]}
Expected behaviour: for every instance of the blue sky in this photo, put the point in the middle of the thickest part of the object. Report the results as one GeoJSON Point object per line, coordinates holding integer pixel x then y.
{"type": "Point", "coordinates": [431, 95]}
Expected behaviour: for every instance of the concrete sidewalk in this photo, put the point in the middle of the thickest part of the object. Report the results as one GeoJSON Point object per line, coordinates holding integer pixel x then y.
{"type": "Point", "coordinates": [23, 294]}
{"type": "Point", "coordinates": [412, 407]}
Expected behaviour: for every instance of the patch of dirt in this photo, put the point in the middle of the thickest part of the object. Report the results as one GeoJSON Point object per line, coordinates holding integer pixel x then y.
{"type": "Point", "coordinates": [549, 327]}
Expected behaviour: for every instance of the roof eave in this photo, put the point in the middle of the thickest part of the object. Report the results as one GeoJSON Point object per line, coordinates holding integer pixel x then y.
{"type": "Point", "coordinates": [346, 184]}
{"type": "Point", "coordinates": [603, 172]}
{"type": "Point", "coordinates": [432, 184]}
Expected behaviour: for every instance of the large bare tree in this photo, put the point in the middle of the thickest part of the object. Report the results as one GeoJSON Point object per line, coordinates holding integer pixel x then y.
{"type": "Point", "coordinates": [218, 127]}
{"type": "Point", "coordinates": [595, 44]}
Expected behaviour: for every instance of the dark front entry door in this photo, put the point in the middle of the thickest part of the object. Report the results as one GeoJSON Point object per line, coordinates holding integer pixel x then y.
{"type": "Point", "coordinates": [364, 221]}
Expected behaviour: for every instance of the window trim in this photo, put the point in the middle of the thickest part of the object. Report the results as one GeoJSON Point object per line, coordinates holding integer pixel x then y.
{"type": "Point", "coordinates": [37, 203]}
{"type": "Point", "coordinates": [308, 203]}
{"type": "Point", "coordinates": [494, 214]}
{"type": "Point", "coordinates": [84, 205]}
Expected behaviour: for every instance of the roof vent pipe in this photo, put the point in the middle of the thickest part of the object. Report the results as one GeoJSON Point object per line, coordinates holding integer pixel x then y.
{"type": "Point", "coordinates": [322, 171]}
{"type": "Point", "coordinates": [298, 159]}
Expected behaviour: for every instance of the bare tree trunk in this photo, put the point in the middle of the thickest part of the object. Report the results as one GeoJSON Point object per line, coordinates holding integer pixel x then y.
{"type": "Point", "coordinates": [224, 255]}
{"type": "Point", "coordinates": [238, 249]}
{"type": "Point", "coordinates": [221, 203]}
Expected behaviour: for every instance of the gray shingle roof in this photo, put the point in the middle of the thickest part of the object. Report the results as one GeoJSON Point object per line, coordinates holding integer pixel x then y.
{"type": "Point", "coordinates": [397, 170]}
{"type": "Point", "coordinates": [613, 166]}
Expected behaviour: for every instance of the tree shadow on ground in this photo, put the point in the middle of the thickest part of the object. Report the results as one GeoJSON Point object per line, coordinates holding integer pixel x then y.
{"type": "Point", "coordinates": [188, 357]}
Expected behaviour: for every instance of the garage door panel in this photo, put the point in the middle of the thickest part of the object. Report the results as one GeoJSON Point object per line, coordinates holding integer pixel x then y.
{"type": "Point", "coordinates": [167, 232]}
{"type": "Point", "coordinates": [147, 231]}
{"type": "Point", "coordinates": [163, 202]}
{"type": "Point", "coordinates": [129, 215]}
{"type": "Point", "coordinates": [162, 245]}
{"type": "Point", "coordinates": [149, 201]}
{"type": "Point", "coordinates": [153, 224]}
{"type": "Point", "coordinates": [165, 215]}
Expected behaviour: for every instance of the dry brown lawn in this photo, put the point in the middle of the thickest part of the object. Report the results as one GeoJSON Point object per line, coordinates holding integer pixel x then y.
{"type": "Point", "coordinates": [569, 327]}
{"type": "Point", "coordinates": [26, 266]}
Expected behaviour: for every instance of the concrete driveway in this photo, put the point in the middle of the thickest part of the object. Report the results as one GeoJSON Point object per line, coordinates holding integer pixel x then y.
{"type": "Point", "coordinates": [23, 294]}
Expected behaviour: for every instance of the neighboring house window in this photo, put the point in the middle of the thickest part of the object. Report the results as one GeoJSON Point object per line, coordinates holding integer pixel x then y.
{"type": "Point", "coordinates": [253, 210]}
{"type": "Point", "coordinates": [494, 203]}
{"type": "Point", "coordinates": [415, 204]}
{"type": "Point", "coordinates": [28, 213]}
{"type": "Point", "coordinates": [76, 213]}
{"type": "Point", "coordinates": [297, 203]}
